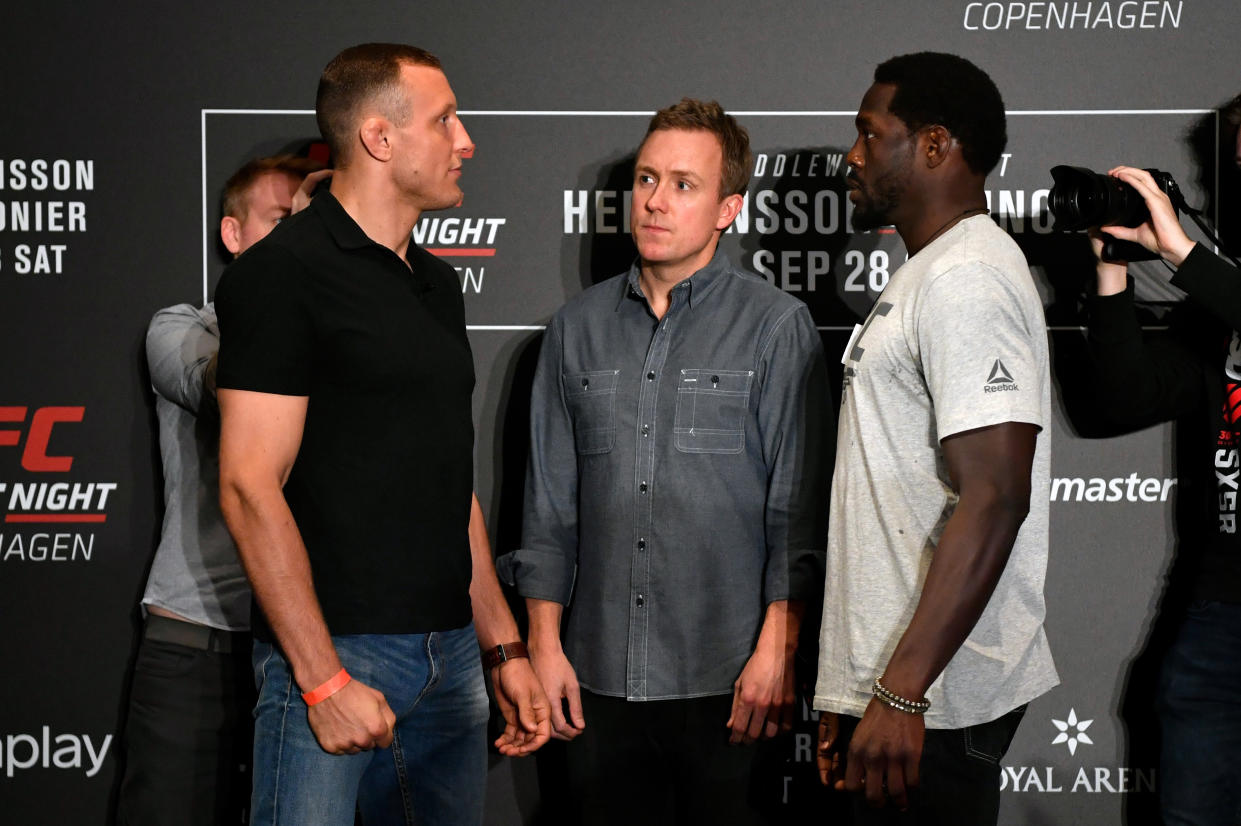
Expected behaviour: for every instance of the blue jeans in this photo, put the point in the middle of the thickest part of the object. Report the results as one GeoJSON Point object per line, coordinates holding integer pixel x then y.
{"type": "Point", "coordinates": [1199, 705]}
{"type": "Point", "coordinates": [434, 772]}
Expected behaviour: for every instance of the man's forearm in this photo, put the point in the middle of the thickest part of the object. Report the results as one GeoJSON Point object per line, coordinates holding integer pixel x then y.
{"type": "Point", "coordinates": [493, 621]}
{"type": "Point", "coordinates": [781, 625]}
{"type": "Point", "coordinates": [275, 560]}
{"type": "Point", "coordinates": [1112, 278]}
{"type": "Point", "coordinates": [545, 618]}
{"type": "Point", "coordinates": [990, 468]}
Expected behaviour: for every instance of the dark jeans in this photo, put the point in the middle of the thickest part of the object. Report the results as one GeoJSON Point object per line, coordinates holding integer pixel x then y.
{"type": "Point", "coordinates": [658, 762]}
{"type": "Point", "coordinates": [1199, 705]}
{"type": "Point", "coordinates": [959, 777]}
{"type": "Point", "coordinates": [188, 736]}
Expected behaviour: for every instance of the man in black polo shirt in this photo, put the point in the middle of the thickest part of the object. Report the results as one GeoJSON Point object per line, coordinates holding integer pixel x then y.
{"type": "Point", "coordinates": [346, 477]}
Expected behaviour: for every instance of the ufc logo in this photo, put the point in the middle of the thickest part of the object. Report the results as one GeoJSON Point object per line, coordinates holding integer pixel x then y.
{"type": "Point", "coordinates": [38, 435]}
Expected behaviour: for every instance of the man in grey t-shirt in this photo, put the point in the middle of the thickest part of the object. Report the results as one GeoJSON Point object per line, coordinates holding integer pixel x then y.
{"type": "Point", "coordinates": [188, 730]}
{"type": "Point", "coordinates": [932, 638]}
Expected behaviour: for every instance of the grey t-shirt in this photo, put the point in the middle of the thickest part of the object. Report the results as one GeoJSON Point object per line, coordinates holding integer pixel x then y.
{"type": "Point", "coordinates": [957, 341]}
{"type": "Point", "coordinates": [196, 573]}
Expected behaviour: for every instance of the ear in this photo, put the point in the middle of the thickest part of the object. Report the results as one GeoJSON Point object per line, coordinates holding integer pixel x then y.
{"type": "Point", "coordinates": [938, 145]}
{"type": "Point", "coordinates": [374, 134]}
{"type": "Point", "coordinates": [230, 234]}
{"type": "Point", "coordinates": [730, 207]}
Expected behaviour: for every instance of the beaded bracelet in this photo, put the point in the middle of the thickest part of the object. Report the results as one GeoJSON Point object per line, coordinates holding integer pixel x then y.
{"type": "Point", "coordinates": [896, 701]}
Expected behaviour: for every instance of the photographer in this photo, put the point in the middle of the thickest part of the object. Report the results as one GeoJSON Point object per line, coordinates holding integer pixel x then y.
{"type": "Point", "coordinates": [1190, 374]}
{"type": "Point", "coordinates": [1210, 282]}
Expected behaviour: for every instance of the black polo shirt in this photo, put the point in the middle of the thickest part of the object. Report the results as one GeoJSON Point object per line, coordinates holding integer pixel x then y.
{"type": "Point", "coordinates": [381, 486]}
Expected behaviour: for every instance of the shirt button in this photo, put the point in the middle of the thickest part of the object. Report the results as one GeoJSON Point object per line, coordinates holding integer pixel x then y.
{"type": "Point", "coordinates": [650, 376]}
{"type": "Point", "coordinates": [640, 601]}
{"type": "Point", "coordinates": [646, 430]}
{"type": "Point", "coordinates": [585, 382]}
{"type": "Point", "coordinates": [715, 379]}
{"type": "Point", "coordinates": [641, 544]}
{"type": "Point", "coordinates": [642, 488]}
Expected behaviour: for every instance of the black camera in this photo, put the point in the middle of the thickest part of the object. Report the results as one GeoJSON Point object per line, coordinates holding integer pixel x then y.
{"type": "Point", "coordinates": [1081, 199]}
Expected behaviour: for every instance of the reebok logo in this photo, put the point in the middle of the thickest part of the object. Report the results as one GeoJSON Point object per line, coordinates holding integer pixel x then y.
{"type": "Point", "coordinates": [999, 380]}
{"type": "Point", "coordinates": [999, 374]}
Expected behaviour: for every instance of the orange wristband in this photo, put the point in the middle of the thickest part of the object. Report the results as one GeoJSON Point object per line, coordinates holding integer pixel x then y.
{"type": "Point", "coordinates": [334, 684]}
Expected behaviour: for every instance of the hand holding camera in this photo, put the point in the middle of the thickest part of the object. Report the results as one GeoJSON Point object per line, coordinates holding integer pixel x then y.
{"type": "Point", "coordinates": [1161, 231]}
{"type": "Point", "coordinates": [1133, 211]}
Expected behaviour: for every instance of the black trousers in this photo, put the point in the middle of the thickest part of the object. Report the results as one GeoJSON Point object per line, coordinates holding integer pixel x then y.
{"type": "Point", "coordinates": [188, 737]}
{"type": "Point", "coordinates": [658, 762]}
{"type": "Point", "coordinates": [959, 777]}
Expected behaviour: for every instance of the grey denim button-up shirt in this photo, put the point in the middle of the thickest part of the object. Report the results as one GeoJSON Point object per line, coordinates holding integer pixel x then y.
{"type": "Point", "coordinates": [677, 478]}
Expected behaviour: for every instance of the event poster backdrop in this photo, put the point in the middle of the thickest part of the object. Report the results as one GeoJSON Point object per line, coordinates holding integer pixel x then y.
{"type": "Point", "coordinates": [123, 121]}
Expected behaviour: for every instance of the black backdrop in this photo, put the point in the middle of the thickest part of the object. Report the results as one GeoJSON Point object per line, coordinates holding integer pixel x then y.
{"type": "Point", "coordinates": [150, 106]}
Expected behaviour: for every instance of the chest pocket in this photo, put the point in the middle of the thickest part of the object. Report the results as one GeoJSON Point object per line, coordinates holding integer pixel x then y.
{"type": "Point", "coordinates": [591, 398]}
{"type": "Point", "coordinates": [711, 410]}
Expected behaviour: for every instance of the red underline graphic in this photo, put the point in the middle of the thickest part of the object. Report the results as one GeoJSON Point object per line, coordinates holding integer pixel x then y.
{"type": "Point", "coordinates": [462, 252]}
{"type": "Point", "coordinates": [56, 517]}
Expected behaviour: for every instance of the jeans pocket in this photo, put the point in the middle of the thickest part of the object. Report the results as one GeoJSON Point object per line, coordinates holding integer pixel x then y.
{"type": "Point", "coordinates": [989, 742]}
{"type": "Point", "coordinates": [591, 398]}
{"type": "Point", "coordinates": [711, 410]}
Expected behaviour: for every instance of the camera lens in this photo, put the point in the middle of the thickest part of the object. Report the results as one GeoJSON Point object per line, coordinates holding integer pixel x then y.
{"type": "Point", "coordinates": [1081, 199]}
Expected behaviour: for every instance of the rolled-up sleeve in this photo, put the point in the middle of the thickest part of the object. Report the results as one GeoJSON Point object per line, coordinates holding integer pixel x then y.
{"type": "Point", "coordinates": [545, 565]}
{"type": "Point", "coordinates": [179, 345]}
{"type": "Point", "coordinates": [797, 426]}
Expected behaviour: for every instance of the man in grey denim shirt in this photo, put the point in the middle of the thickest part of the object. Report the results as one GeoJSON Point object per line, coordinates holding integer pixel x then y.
{"type": "Point", "coordinates": [674, 498]}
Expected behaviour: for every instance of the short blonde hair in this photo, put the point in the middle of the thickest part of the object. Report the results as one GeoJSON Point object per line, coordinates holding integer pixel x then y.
{"type": "Point", "coordinates": [233, 201]}
{"type": "Point", "coordinates": [709, 116]}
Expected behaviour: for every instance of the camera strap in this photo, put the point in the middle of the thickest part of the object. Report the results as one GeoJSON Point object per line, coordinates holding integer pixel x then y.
{"type": "Point", "coordinates": [1178, 201]}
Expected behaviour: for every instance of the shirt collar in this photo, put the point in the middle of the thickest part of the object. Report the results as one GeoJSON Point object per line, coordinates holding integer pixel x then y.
{"type": "Point", "coordinates": [349, 236]}
{"type": "Point", "coordinates": [697, 287]}
{"type": "Point", "coordinates": [340, 224]}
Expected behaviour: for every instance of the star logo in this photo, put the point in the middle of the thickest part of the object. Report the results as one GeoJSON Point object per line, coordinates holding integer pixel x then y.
{"type": "Point", "coordinates": [1072, 731]}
